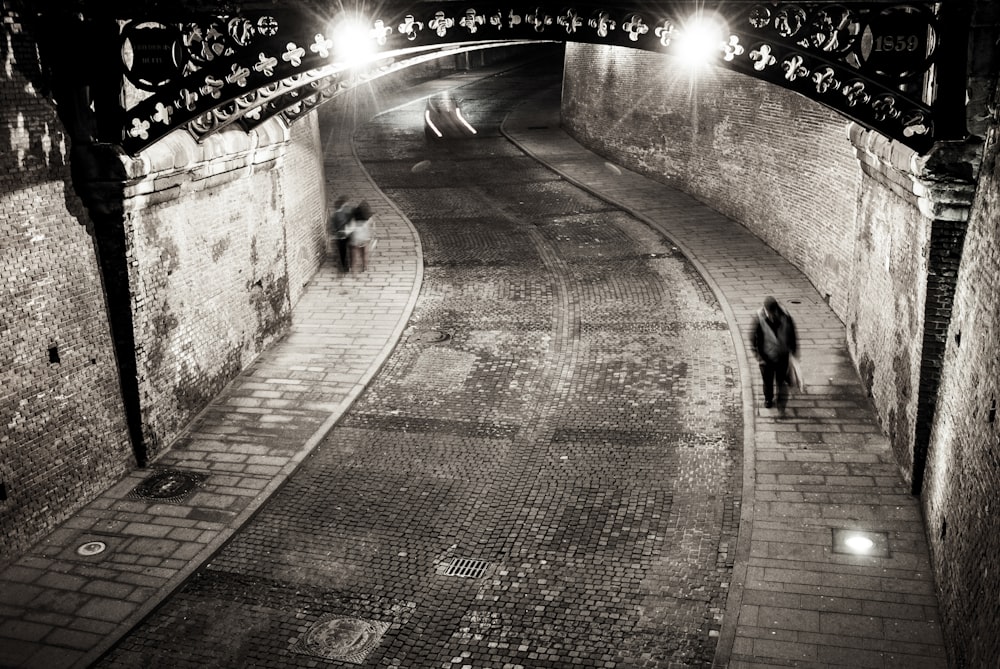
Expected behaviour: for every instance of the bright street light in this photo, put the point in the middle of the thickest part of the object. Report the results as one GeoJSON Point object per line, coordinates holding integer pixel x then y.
{"type": "Point", "coordinates": [699, 40]}
{"type": "Point", "coordinates": [353, 42]}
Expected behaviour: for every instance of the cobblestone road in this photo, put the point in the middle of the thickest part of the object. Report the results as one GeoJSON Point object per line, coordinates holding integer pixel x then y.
{"type": "Point", "coordinates": [561, 420]}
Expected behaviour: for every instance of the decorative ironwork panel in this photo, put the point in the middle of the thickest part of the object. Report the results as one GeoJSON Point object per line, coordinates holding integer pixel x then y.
{"type": "Point", "coordinates": [880, 64]}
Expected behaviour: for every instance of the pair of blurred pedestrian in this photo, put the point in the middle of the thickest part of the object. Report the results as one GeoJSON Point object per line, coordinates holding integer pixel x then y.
{"type": "Point", "coordinates": [350, 229]}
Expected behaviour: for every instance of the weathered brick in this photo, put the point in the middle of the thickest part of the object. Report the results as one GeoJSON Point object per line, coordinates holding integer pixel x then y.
{"type": "Point", "coordinates": [963, 465]}
{"type": "Point", "coordinates": [64, 436]}
{"type": "Point", "coordinates": [202, 277]}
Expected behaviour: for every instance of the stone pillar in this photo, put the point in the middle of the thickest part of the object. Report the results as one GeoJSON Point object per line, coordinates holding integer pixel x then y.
{"type": "Point", "coordinates": [940, 186]}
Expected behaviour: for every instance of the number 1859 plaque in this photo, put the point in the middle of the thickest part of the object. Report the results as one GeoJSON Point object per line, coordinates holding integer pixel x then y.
{"type": "Point", "coordinates": [897, 42]}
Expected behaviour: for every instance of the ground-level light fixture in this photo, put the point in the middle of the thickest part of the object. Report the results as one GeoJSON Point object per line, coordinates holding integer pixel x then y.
{"type": "Point", "coordinates": [861, 542]}
{"type": "Point", "coordinates": [91, 548]}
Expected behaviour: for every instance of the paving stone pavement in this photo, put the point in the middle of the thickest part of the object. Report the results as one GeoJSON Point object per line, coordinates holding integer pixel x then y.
{"type": "Point", "coordinates": [822, 467]}
{"type": "Point", "coordinates": [575, 434]}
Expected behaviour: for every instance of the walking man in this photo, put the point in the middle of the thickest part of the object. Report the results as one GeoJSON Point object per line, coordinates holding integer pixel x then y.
{"type": "Point", "coordinates": [774, 340]}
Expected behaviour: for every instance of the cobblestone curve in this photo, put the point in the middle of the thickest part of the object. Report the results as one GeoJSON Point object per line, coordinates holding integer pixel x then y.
{"type": "Point", "coordinates": [562, 411]}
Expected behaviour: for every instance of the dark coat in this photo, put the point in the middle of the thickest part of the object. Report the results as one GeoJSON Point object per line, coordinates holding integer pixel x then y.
{"type": "Point", "coordinates": [774, 340]}
{"type": "Point", "coordinates": [339, 221]}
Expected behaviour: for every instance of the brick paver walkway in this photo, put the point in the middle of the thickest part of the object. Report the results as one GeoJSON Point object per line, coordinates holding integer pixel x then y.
{"type": "Point", "coordinates": [793, 601]}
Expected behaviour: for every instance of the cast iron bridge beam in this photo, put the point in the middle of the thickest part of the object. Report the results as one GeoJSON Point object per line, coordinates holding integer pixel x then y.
{"type": "Point", "coordinates": [896, 68]}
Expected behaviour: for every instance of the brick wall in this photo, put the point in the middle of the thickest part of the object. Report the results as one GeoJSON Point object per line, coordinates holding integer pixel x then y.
{"type": "Point", "coordinates": [62, 428]}
{"type": "Point", "coordinates": [302, 188]}
{"type": "Point", "coordinates": [960, 499]}
{"type": "Point", "coordinates": [911, 231]}
{"type": "Point", "coordinates": [215, 245]}
{"type": "Point", "coordinates": [886, 310]}
{"type": "Point", "coordinates": [724, 134]}
{"type": "Point", "coordinates": [216, 238]}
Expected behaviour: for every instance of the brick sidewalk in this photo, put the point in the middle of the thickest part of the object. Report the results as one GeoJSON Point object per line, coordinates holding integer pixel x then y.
{"type": "Point", "coordinates": [822, 468]}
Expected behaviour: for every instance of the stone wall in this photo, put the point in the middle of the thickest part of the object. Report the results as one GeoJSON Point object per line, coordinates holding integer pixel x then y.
{"type": "Point", "coordinates": [960, 497]}
{"type": "Point", "coordinates": [759, 154]}
{"type": "Point", "coordinates": [215, 234]}
{"type": "Point", "coordinates": [63, 436]}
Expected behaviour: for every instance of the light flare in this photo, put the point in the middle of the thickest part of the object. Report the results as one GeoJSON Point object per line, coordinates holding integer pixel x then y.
{"type": "Point", "coordinates": [859, 544]}
{"type": "Point", "coordinates": [458, 113]}
{"type": "Point", "coordinates": [353, 42]}
{"type": "Point", "coordinates": [700, 40]}
{"type": "Point", "coordinates": [430, 123]}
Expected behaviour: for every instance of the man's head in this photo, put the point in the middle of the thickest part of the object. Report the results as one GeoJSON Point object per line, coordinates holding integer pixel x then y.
{"type": "Point", "coordinates": [363, 211]}
{"type": "Point", "coordinates": [772, 308]}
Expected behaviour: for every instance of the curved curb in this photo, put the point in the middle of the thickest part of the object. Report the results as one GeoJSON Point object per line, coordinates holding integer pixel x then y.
{"type": "Point", "coordinates": [734, 599]}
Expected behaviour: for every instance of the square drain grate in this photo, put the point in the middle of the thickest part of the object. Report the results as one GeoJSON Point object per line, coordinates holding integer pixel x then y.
{"type": "Point", "coordinates": [465, 568]}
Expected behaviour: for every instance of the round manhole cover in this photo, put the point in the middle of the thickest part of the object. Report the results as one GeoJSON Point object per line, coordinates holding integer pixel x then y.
{"type": "Point", "coordinates": [91, 548]}
{"type": "Point", "coordinates": [348, 639]}
{"type": "Point", "coordinates": [431, 336]}
{"type": "Point", "coordinates": [167, 485]}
